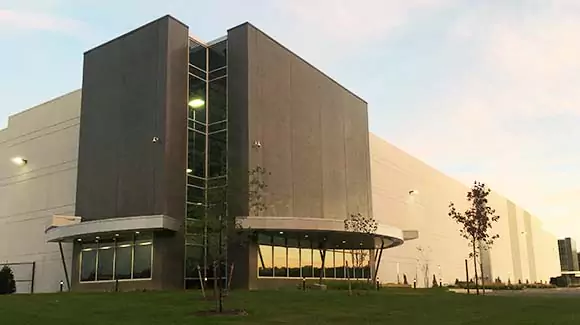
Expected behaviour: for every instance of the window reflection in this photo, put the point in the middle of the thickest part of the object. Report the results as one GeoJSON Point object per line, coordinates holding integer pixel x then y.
{"type": "Point", "coordinates": [329, 264]}
{"type": "Point", "coordinates": [265, 260]}
{"type": "Point", "coordinates": [317, 262]}
{"type": "Point", "coordinates": [123, 260]}
{"type": "Point", "coordinates": [280, 268]}
{"type": "Point", "coordinates": [117, 260]}
{"type": "Point", "coordinates": [142, 261]}
{"type": "Point", "coordinates": [105, 263]}
{"type": "Point", "coordinates": [339, 263]}
{"type": "Point", "coordinates": [89, 263]}
{"type": "Point", "coordinates": [197, 55]}
{"type": "Point", "coordinates": [289, 257]}
{"type": "Point", "coordinates": [294, 262]}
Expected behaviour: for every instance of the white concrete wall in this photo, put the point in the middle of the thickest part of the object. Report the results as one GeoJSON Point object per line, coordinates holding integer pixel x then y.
{"type": "Point", "coordinates": [395, 173]}
{"type": "Point", "coordinates": [47, 136]}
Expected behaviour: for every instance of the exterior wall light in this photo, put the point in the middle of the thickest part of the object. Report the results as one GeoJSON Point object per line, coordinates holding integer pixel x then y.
{"type": "Point", "coordinates": [196, 103]}
{"type": "Point", "coordinates": [19, 161]}
{"type": "Point", "coordinates": [189, 170]}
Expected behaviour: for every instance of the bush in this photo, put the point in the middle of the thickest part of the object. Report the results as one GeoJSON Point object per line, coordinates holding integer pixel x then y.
{"type": "Point", "coordinates": [7, 283]}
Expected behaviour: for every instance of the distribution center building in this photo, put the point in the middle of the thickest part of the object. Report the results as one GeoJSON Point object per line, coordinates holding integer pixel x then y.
{"type": "Point", "coordinates": [108, 186]}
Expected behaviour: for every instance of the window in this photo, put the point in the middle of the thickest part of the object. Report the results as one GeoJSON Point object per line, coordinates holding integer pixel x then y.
{"type": "Point", "coordinates": [289, 257]}
{"type": "Point", "coordinates": [89, 263]}
{"type": "Point", "coordinates": [123, 259]}
{"type": "Point", "coordinates": [218, 154]}
{"type": "Point", "coordinates": [142, 260]}
{"type": "Point", "coordinates": [105, 262]}
{"type": "Point", "coordinates": [217, 100]}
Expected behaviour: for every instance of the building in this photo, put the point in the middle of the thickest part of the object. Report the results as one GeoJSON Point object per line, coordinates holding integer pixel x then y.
{"type": "Point", "coordinates": [120, 180]}
{"type": "Point", "coordinates": [568, 255]}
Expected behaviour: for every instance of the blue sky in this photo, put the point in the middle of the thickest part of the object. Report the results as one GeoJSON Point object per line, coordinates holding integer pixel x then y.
{"type": "Point", "coordinates": [483, 90]}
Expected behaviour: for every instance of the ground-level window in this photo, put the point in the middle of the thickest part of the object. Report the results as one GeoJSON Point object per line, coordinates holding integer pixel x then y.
{"type": "Point", "coordinates": [121, 258]}
{"type": "Point", "coordinates": [293, 258]}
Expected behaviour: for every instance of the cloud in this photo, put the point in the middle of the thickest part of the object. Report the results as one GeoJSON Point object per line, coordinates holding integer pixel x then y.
{"type": "Point", "coordinates": [19, 20]}
{"type": "Point", "coordinates": [354, 21]}
{"type": "Point", "coordinates": [516, 116]}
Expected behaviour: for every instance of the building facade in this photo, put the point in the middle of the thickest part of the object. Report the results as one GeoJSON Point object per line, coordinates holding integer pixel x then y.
{"type": "Point", "coordinates": [568, 254]}
{"type": "Point", "coordinates": [121, 184]}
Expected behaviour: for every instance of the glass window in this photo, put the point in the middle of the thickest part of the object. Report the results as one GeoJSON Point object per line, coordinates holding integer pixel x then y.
{"type": "Point", "coordinates": [265, 260]}
{"type": "Point", "coordinates": [317, 262]}
{"type": "Point", "coordinates": [197, 72]}
{"type": "Point", "coordinates": [123, 260]}
{"type": "Point", "coordinates": [294, 262]}
{"type": "Point", "coordinates": [218, 126]}
{"type": "Point", "coordinates": [217, 100]}
{"type": "Point", "coordinates": [218, 154]}
{"type": "Point", "coordinates": [197, 99]}
{"type": "Point", "coordinates": [220, 181]}
{"type": "Point", "coordinates": [348, 264]}
{"type": "Point", "coordinates": [192, 124]}
{"type": "Point", "coordinates": [218, 73]}
{"type": "Point", "coordinates": [142, 260]}
{"type": "Point", "coordinates": [306, 259]}
{"type": "Point", "coordinates": [195, 196]}
{"type": "Point", "coordinates": [105, 262]}
{"type": "Point", "coordinates": [329, 264]}
{"type": "Point", "coordinates": [339, 263]}
{"type": "Point", "coordinates": [280, 266]}
{"type": "Point", "coordinates": [193, 260]}
{"type": "Point", "coordinates": [218, 55]}
{"type": "Point", "coordinates": [195, 181]}
{"type": "Point", "coordinates": [197, 55]}
{"type": "Point", "coordinates": [89, 263]}
{"type": "Point", "coordinates": [196, 153]}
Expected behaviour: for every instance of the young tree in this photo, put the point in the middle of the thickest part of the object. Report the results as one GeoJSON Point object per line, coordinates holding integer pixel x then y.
{"type": "Point", "coordinates": [222, 231]}
{"type": "Point", "coordinates": [435, 284]}
{"type": "Point", "coordinates": [366, 225]}
{"type": "Point", "coordinates": [476, 222]}
{"type": "Point", "coordinates": [405, 282]}
{"type": "Point", "coordinates": [7, 283]}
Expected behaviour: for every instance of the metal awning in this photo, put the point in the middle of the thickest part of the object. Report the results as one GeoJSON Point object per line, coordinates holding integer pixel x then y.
{"type": "Point", "coordinates": [329, 231]}
{"type": "Point", "coordinates": [92, 228]}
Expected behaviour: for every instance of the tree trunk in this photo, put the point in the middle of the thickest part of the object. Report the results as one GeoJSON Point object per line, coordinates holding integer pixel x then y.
{"type": "Point", "coordinates": [475, 269]}
{"type": "Point", "coordinates": [323, 258]}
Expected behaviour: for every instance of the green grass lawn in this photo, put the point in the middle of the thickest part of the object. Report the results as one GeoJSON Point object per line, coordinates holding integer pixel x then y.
{"type": "Point", "coordinates": [388, 306]}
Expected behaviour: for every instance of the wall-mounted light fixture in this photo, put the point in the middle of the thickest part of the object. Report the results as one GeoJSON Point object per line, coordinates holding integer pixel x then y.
{"type": "Point", "coordinates": [19, 161]}
{"type": "Point", "coordinates": [257, 144]}
{"type": "Point", "coordinates": [155, 140]}
{"type": "Point", "coordinates": [189, 170]}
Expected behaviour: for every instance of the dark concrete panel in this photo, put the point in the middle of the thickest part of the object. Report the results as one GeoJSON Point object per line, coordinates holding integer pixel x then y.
{"type": "Point", "coordinates": [313, 133]}
{"type": "Point", "coordinates": [135, 89]}
{"type": "Point", "coordinates": [271, 119]}
{"type": "Point", "coordinates": [238, 137]}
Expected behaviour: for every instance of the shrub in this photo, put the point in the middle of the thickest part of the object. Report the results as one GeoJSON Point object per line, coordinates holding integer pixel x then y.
{"type": "Point", "coordinates": [405, 279]}
{"type": "Point", "coordinates": [7, 283]}
{"type": "Point", "coordinates": [435, 284]}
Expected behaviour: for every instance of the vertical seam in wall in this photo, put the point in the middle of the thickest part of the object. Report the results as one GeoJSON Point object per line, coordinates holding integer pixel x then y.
{"type": "Point", "coordinates": [290, 134]}
{"type": "Point", "coordinates": [344, 136]}
{"type": "Point", "coordinates": [321, 161]}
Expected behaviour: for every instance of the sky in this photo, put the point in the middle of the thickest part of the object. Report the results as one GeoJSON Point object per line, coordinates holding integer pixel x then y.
{"type": "Point", "coordinates": [486, 90]}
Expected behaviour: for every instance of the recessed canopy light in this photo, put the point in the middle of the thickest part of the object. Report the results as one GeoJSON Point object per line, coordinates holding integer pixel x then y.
{"type": "Point", "coordinates": [305, 236]}
{"type": "Point", "coordinates": [19, 161]}
{"type": "Point", "coordinates": [116, 235]}
{"type": "Point", "coordinates": [281, 233]}
{"type": "Point", "coordinates": [97, 237]}
{"type": "Point", "coordinates": [189, 170]}
{"type": "Point", "coordinates": [137, 232]}
{"type": "Point", "coordinates": [344, 241]}
{"type": "Point", "coordinates": [79, 239]}
{"type": "Point", "coordinates": [196, 103]}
